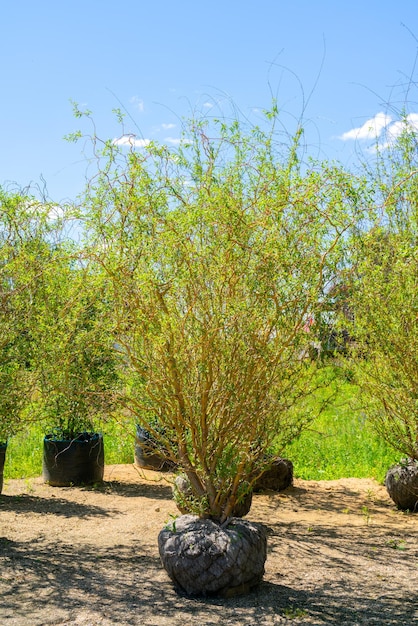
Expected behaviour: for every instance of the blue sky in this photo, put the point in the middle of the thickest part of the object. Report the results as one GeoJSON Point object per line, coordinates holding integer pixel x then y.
{"type": "Point", "coordinates": [162, 60]}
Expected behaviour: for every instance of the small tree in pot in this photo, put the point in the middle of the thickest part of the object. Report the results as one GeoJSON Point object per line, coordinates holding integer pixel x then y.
{"type": "Point", "coordinates": [218, 253]}
{"type": "Point", "coordinates": [385, 304]}
{"type": "Point", "coordinates": [76, 368]}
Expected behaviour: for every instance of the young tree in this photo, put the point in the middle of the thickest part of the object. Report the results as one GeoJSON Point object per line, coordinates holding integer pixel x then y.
{"type": "Point", "coordinates": [218, 254]}
{"type": "Point", "coordinates": [385, 296]}
{"type": "Point", "coordinates": [73, 357]}
{"type": "Point", "coordinates": [23, 226]}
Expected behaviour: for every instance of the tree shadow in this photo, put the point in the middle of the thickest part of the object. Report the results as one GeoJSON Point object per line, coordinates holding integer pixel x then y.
{"type": "Point", "coordinates": [347, 573]}
{"type": "Point", "coordinates": [125, 585]}
{"type": "Point", "coordinates": [333, 500]}
{"type": "Point", "coordinates": [339, 548]}
{"type": "Point", "coordinates": [153, 490]}
{"type": "Point", "coordinates": [24, 503]}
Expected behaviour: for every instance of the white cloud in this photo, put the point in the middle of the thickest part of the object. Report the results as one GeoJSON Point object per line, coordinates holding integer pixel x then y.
{"type": "Point", "coordinates": [175, 141]}
{"type": "Point", "coordinates": [412, 119]}
{"type": "Point", "coordinates": [370, 129]}
{"type": "Point", "coordinates": [395, 130]}
{"type": "Point", "coordinates": [208, 105]}
{"type": "Point", "coordinates": [57, 212]}
{"type": "Point", "coordinates": [168, 126]}
{"type": "Point", "coordinates": [51, 211]}
{"type": "Point", "coordinates": [131, 141]}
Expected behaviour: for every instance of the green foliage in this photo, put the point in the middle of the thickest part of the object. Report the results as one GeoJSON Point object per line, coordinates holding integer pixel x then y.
{"type": "Point", "coordinates": [209, 276]}
{"type": "Point", "coordinates": [73, 353]}
{"type": "Point", "coordinates": [341, 443]}
{"type": "Point", "coordinates": [217, 254]}
{"type": "Point", "coordinates": [385, 301]}
{"type": "Point", "coordinates": [23, 226]}
{"type": "Point", "coordinates": [55, 353]}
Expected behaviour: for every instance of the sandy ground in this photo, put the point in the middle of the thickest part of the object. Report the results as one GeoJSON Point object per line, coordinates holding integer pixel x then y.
{"type": "Point", "coordinates": [339, 553]}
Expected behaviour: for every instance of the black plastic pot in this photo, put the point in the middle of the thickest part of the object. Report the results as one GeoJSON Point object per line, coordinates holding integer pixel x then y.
{"type": "Point", "coordinates": [149, 454]}
{"type": "Point", "coordinates": [3, 448]}
{"type": "Point", "coordinates": [79, 461]}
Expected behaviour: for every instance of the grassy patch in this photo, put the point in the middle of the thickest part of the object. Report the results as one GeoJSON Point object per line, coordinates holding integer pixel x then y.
{"type": "Point", "coordinates": [24, 451]}
{"type": "Point", "coordinates": [341, 444]}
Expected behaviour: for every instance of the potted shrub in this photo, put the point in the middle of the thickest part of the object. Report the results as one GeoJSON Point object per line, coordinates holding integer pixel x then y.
{"type": "Point", "coordinates": [149, 452]}
{"type": "Point", "coordinates": [384, 299]}
{"type": "Point", "coordinates": [277, 476]}
{"type": "Point", "coordinates": [388, 371]}
{"type": "Point", "coordinates": [402, 484]}
{"type": "Point", "coordinates": [217, 253]}
{"type": "Point", "coordinates": [75, 368]}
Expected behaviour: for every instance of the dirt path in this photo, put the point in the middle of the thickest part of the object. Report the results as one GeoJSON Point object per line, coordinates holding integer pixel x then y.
{"type": "Point", "coordinates": [339, 553]}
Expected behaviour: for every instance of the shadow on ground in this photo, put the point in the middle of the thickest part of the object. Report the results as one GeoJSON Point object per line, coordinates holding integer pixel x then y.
{"type": "Point", "coordinates": [126, 585]}
{"type": "Point", "coordinates": [151, 489]}
{"type": "Point", "coordinates": [336, 556]}
{"type": "Point", "coordinates": [25, 503]}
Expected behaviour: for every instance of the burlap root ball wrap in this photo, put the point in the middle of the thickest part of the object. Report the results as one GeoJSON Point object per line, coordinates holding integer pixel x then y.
{"type": "Point", "coordinates": [402, 485]}
{"type": "Point", "coordinates": [204, 558]}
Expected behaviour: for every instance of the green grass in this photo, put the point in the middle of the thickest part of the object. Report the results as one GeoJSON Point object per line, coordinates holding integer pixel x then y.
{"type": "Point", "coordinates": [24, 451]}
{"type": "Point", "coordinates": [341, 444]}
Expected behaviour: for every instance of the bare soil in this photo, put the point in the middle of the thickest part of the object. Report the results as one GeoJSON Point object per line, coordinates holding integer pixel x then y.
{"type": "Point", "coordinates": [339, 553]}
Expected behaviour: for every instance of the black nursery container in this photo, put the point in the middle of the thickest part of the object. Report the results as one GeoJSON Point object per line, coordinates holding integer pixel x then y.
{"type": "Point", "coordinates": [3, 448]}
{"type": "Point", "coordinates": [149, 454]}
{"type": "Point", "coordinates": [79, 461]}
